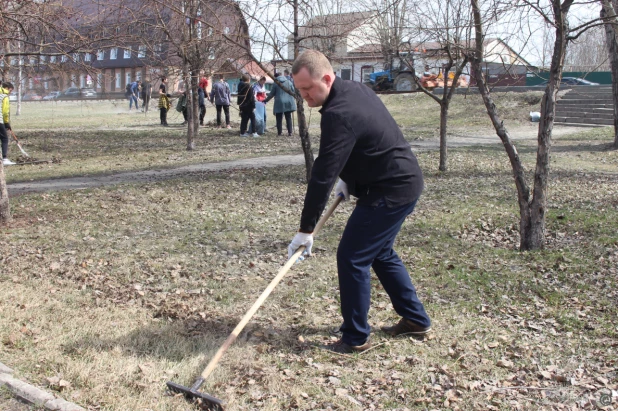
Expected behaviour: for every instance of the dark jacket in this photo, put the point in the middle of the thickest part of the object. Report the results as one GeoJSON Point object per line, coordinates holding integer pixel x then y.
{"type": "Point", "coordinates": [200, 97]}
{"type": "Point", "coordinates": [220, 94]}
{"type": "Point", "coordinates": [246, 98]}
{"type": "Point", "coordinates": [362, 144]}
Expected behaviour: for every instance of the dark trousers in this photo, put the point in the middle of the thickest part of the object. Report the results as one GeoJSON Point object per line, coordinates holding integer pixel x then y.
{"type": "Point", "coordinates": [367, 242]}
{"type": "Point", "coordinates": [245, 116]}
{"type": "Point", "coordinates": [185, 114]}
{"type": "Point", "coordinates": [202, 114]}
{"type": "Point", "coordinates": [163, 115]}
{"type": "Point", "coordinates": [4, 138]}
{"type": "Point", "coordinates": [145, 102]}
{"type": "Point", "coordinates": [226, 110]}
{"type": "Point", "coordinates": [288, 122]}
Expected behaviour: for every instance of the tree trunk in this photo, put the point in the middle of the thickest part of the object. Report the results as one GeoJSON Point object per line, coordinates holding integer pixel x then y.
{"type": "Point", "coordinates": [443, 128]}
{"type": "Point", "coordinates": [612, 46]}
{"type": "Point", "coordinates": [532, 211]}
{"type": "Point", "coordinates": [303, 131]}
{"type": "Point", "coordinates": [189, 83]}
{"type": "Point", "coordinates": [5, 210]}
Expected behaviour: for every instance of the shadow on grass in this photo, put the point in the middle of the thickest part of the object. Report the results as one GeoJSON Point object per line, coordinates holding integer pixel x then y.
{"type": "Point", "coordinates": [179, 339]}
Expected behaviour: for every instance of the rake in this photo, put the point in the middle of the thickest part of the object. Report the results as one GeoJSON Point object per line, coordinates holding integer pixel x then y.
{"type": "Point", "coordinates": [19, 145]}
{"type": "Point", "coordinates": [212, 403]}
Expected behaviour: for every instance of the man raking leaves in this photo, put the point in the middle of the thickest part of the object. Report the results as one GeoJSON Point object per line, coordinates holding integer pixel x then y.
{"type": "Point", "coordinates": [362, 144]}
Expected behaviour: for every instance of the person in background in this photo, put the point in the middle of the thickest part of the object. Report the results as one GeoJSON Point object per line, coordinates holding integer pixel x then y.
{"type": "Point", "coordinates": [5, 90]}
{"type": "Point", "coordinates": [134, 93]}
{"type": "Point", "coordinates": [246, 103]}
{"type": "Point", "coordinates": [221, 97]}
{"type": "Point", "coordinates": [285, 103]}
{"type": "Point", "coordinates": [260, 90]}
{"type": "Point", "coordinates": [163, 85]}
{"type": "Point", "coordinates": [201, 93]}
{"type": "Point", "coordinates": [164, 104]}
{"type": "Point", "coordinates": [146, 95]}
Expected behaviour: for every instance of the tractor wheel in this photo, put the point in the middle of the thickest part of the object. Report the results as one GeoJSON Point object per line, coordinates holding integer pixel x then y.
{"type": "Point", "coordinates": [405, 82]}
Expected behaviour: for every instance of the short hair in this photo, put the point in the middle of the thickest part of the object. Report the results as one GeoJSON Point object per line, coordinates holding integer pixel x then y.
{"type": "Point", "coordinates": [286, 72]}
{"type": "Point", "coordinates": [221, 77]}
{"type": "Point", "coordinates": [245, 78]}
{"type": "Point", "coordinates": [262, 78]}
{"type": "Point", "coordinates": [6, 84]}
{"type": "Point", "coordinates": [163, 78]}
{"type": "Point", "coordinates": [315, 62]}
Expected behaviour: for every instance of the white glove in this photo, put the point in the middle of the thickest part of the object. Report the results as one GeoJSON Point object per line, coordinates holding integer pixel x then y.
{"type": "Point", "coordinates": [342, 189]}
{"type": "Point", "coordinates": [298, 240]}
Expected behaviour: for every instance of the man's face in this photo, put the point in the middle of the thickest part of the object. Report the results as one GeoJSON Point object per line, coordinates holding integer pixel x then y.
{"type": "Point", "coordinates": [314, 91]}
{"type": "Point", "coordinates": [262, 82]}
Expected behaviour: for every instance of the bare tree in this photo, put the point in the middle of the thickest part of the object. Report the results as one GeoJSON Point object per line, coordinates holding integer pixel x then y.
{"type": "Point", "coordinates": [444, 30]}
{"type": "Point", "coordinates": [588, 52]}
{"type": "Point", "coordinates": [608, 14]}
{"type": "Point", "coordinates": [532, 207]}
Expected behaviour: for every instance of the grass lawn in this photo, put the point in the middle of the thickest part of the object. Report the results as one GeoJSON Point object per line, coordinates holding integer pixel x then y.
{"type": "Point", "coordinates": [116, 290]}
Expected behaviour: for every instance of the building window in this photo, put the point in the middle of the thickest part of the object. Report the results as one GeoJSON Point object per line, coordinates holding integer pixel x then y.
{"type": "Point", "coordinates": [127, 53]}
{"type": "Point", "coordinates": [99, 80]}
{"type": "Point", "coordinates": [63, 58]}
{"type": "Point", "coordinates": [118, 82]}
{"type": "Point", "coordinates": [226, 30]}
{"type": "Point", "coordinates": [113, 53]}
{"type": "Point", "coordinates": [43, 59]}
{"type": "Point", "coordinates": [365, 72]}
{"type": "Point", "coordinates": [142, 52]}
{"type": "Point", "coordinates": [87, 57]}
{"type": "Point", "coordinates": [100, 55]}
{"type": "Point", "coordinates": [128, 78]}
{"type": "Point", "coordinates": [52, 59]}
{"type": "Point", "coordinates": [32, 61]}
{"type": "Point", "coordinates": [158, 48]}
{"type": "Point", "coordinates": [209, 31]}
{"type": "Point", "coordinates": [76, 57]}
{"type": "Point", "coordinates": [138, 76]}
{"type": "Point", "coordinates": [82, 80]}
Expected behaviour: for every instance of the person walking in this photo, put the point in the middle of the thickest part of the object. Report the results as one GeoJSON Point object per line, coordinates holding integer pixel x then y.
{"type": "Point", "coordinates": [246, 103]}
{"type": "Point", "coordinates": [146, 95]}
{"type": "Point", "coordinates": [361, 144]}
{"type": "Point", "coordinates": [5, 90]}
{"type": "Point", "coordinates": [221, 97]}
{"type": "Point", "coordinates": [285, 103]}
{"type": "Point", "coordinates": [201, 96]}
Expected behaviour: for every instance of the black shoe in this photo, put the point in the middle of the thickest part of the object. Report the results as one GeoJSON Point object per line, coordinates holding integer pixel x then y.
{"type": "Point", "coordinates": [406, 327]}
{"type": "Point", "coordinates": [343, 348]}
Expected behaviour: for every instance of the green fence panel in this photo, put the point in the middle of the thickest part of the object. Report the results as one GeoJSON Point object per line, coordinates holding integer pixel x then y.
{"type": "Point", "coordinates": [601, 77]}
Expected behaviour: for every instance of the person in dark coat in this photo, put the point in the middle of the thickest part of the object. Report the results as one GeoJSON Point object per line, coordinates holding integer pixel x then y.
{"type": "Point", "coordinates": [146, 95]}
{"type": "Point", "coordinates": [360, 143]}
{"type": "Point", "coordinates": [285, 103]}
{"type": "Point", "coordinates": [221, 97]}
{"type": "Point", "coordinates": [246, 103]}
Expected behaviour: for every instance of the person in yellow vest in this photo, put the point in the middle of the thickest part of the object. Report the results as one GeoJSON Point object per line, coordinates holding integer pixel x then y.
{"type": "Point", "coordinates": [5, 126]}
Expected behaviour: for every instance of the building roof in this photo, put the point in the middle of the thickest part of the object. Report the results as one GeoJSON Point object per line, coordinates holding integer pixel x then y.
{"type": "Point", "coordinates": [244, 66]}
{"type": "Point", "coordinates": [335, 24]}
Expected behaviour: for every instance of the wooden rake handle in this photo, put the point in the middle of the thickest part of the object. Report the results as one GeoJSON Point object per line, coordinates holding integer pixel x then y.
{"type": "Point", "coordinates": [282, 272]}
